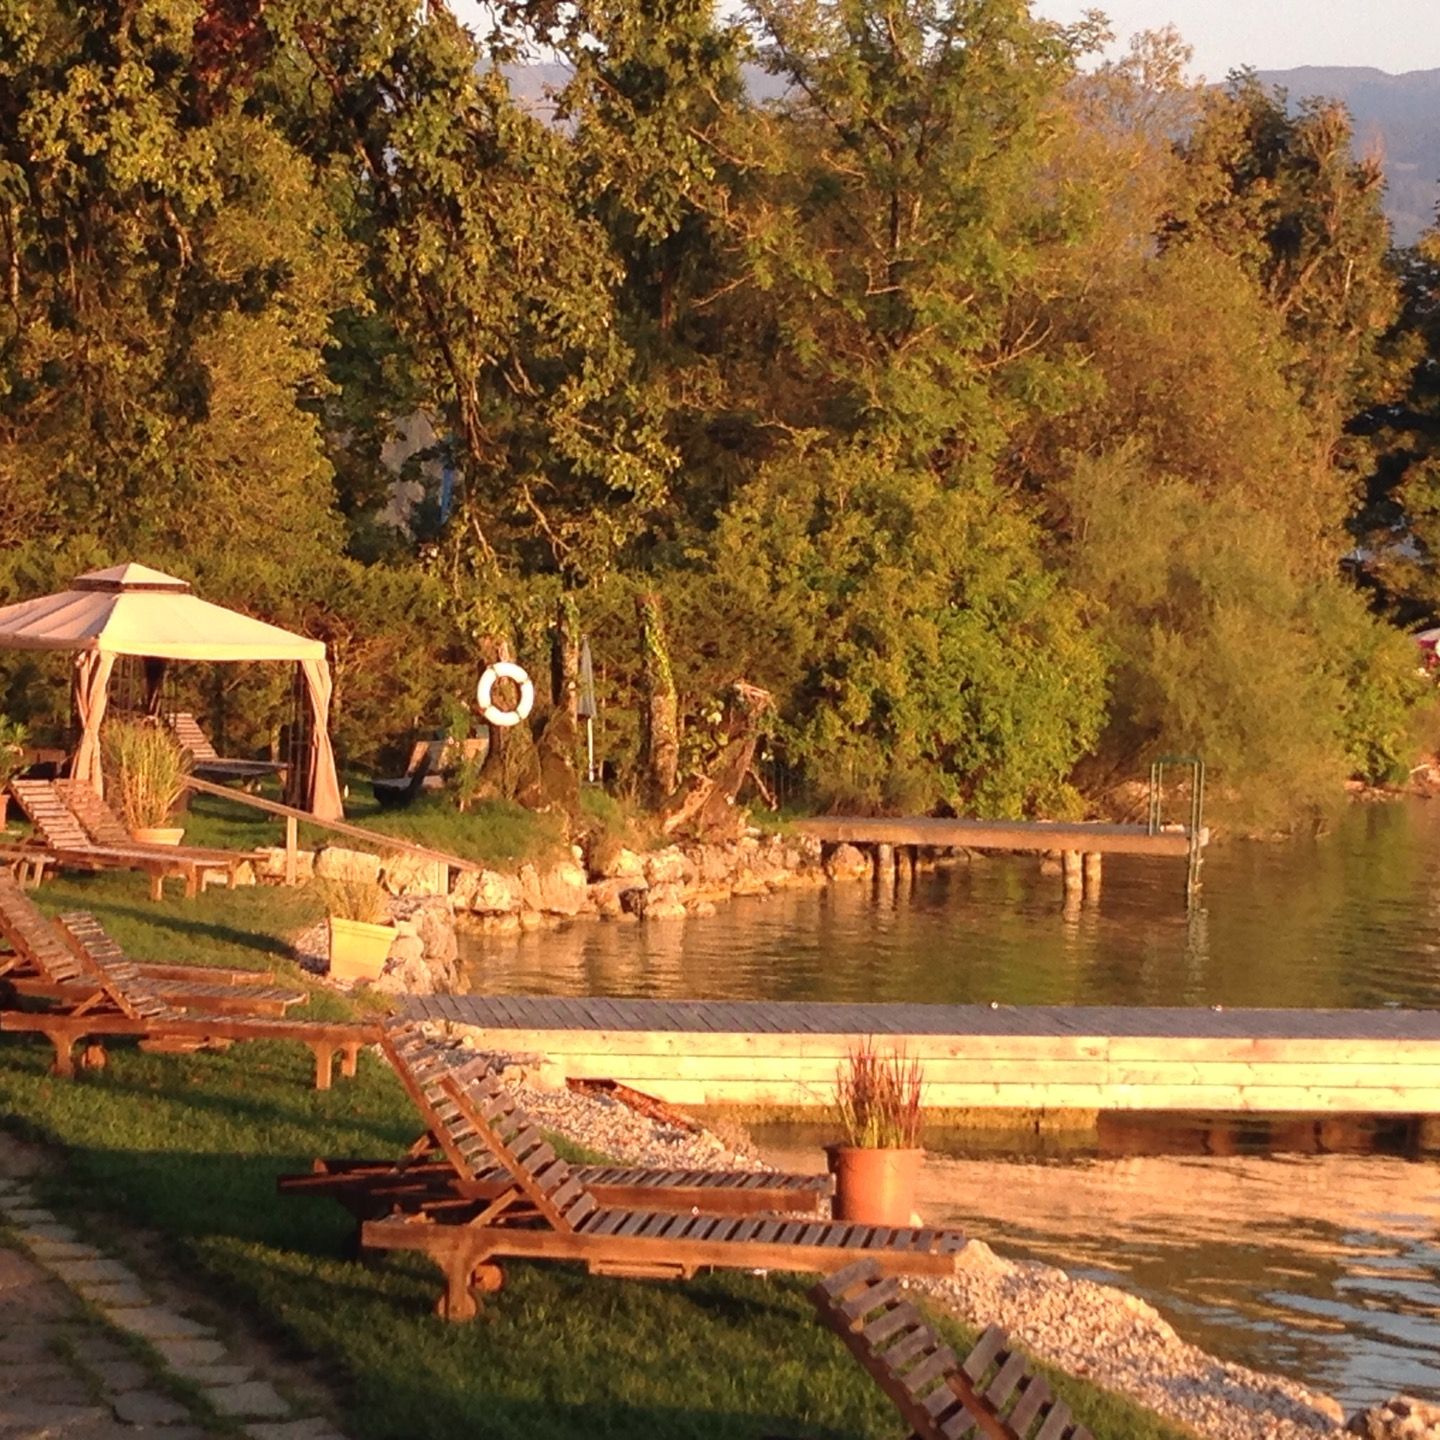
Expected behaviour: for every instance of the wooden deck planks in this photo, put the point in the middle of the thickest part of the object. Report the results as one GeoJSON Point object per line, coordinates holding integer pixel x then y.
{"type": "Point", "coordinates": [1037, 1057]}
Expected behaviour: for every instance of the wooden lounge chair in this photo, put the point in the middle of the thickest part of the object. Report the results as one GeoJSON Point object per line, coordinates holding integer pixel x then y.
{"type": "Point", "coordinates": [429, 760]}
{"type": "Point", "coordinates": [50, 806]}
{"type": "Point", "coordinates": [435, 1177]}
{"type": "Point", "coordinates": [547, 1212]}
{"type": "Point", "coordinates": [992, 1392]}
{"type": "Point", "coordinates": [208, 763]}
{"type": "Point", "coordinates": [118, 1000]}
{"type": "Point", "coordinates": [57, 962]}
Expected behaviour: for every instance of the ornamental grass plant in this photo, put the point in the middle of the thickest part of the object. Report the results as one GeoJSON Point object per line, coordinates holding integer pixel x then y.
{"type": "Point", "coordinates": [349, 897]}
{"type": "Point", "coordinates": [877, 1098]}
{"type": "Point", "coordinates": [145, 770]}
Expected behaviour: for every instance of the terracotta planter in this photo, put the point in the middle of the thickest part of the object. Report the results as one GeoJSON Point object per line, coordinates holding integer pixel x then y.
{"type": "Point", "coordinates": [158, 834]}
{"type": "Point", "coordinates": [358, 949]}
{"type": "Point", "coordinates": [874, 1187]}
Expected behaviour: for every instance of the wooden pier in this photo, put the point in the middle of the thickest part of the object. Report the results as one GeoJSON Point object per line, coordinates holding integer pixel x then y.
{"type": "Point", "coordinates": [1081, 845]}
{"type": "Point", "coordinates": [1033, 1058]}
{"type": "Point", "coordinates": [1024, 835]}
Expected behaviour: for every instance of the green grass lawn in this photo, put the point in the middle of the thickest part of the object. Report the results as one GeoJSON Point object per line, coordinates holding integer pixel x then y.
{"type": "Point", "coordinates": [498, 833]}
{"type": "Point", "coordinates": [188, 1147]}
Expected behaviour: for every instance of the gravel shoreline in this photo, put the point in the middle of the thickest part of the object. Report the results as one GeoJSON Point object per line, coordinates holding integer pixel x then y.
{"type": "Point", "coordinates": [1094, 1331]}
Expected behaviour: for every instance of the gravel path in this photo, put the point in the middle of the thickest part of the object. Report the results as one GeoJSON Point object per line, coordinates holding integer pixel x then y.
{"type": "Point", "coordinates": [1090, 1330]}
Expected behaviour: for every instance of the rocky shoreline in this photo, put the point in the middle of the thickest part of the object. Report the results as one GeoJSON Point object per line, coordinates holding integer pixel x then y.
{"type": "Point", "coordinates": [616, 885]}
{"type": "Point", "coordinates": [1097, 1332]}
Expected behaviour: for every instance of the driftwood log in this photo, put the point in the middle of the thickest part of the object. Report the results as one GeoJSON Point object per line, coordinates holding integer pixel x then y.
{"type": "Point", "coordinates": [705, 805]}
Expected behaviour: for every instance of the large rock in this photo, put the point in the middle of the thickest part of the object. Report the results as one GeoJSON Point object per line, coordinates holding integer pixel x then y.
{"type": "Point", "coordinates": [670, 866]}
{"type": "Point", "coordinates": [410, 875]}
{"type": "Point", "coordinates": [607, 897]}
{"type": "Point", "coordinates": [845, 862]}
{"type": "Point", "coordinates": [335, 862]}
{"type": "Point", "coordinates": [559, 889]}
{"type": "Point", "coordinates": [1402, 1418]}
{"type": "Point", "coordinates": [492, 893]}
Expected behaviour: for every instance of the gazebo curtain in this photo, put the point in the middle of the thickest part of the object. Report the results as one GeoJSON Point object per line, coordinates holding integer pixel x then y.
{"type": "Point", "coordinates": [90, 686]}
{"type": "Point", "coordinates": [325, 801]}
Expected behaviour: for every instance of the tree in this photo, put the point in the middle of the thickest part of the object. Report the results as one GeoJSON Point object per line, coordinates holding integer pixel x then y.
{"type": "Point", "coordinates": [170, 274]}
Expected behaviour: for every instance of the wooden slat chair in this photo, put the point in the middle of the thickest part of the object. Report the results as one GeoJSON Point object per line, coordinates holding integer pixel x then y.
{"type": "Point", "coordinates": [61, 836]}
{"type": "Point", "coordinates": [546, 1211]}
{"type": "Point", "coordinates": [54, 963]}
{"type": "Point", "coordinates": [436, 1178]}
{"type": "Point", "coordinates": [208, 763]}
{"type": "Point", "coordinates": [194, 990]}
{"type": "Point", "coordinates": [116, 999]}
{"type": "Point", "coordinates": [105, 827]}
{"type": "Point", "coordinates": [991, 1392]}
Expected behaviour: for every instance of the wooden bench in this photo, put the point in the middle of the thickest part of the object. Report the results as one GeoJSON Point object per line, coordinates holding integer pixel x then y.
{"type": "Point", "coordinates": [991, 1392]}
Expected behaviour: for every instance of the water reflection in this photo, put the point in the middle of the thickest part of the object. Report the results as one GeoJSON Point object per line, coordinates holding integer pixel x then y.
{"type": "Point", "coordinates": [1347, 919]}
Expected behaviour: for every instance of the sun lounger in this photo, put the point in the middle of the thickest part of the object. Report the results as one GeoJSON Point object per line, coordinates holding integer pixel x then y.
{"type": "Point", "coordinates": [62, 837]}
{"type": "Point", "coordinates": [547, 1212]}
{"type": "Point", "coordinates": [208, 763]}
{"type": "Point", "coordinates": [115, 999]}
{"type": "Point", "coordinates": [105, 827]}
{"type": "Point", "coordinates": [56, 962]}
{"type": "Point", "coordinates": [436, 1177]}
{"type": "Point", "coordinates": [991, 1392]}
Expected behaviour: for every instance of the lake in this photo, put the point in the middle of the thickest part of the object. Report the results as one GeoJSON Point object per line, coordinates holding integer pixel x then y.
{"type": "Point", "coordinates": [1253, 1240]}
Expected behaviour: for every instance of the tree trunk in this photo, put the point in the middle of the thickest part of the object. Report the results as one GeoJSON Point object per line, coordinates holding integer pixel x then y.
{"type": "Point", "coordinates": [659, 709]}
{"type": "Point", "coordinates": [565, 658]}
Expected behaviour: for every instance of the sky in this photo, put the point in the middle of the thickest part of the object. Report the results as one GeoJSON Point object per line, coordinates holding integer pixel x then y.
{"type": "Point", "coordinates": [1393, 35]}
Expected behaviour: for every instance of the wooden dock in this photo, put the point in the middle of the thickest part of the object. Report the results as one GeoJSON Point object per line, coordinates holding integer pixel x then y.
{"type": "Point", "coordinates": [1024, 835]}
{"type": "Point", "coordinates": [1033, 1058]}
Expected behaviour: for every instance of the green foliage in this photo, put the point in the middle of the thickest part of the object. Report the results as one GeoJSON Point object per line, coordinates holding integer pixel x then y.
{"type": "Point", "coordinates": [1226, 649]}
{"type": "Point", "coordinates": [916, 647]}
{"type": "Point", "coordinates": [13, 736]}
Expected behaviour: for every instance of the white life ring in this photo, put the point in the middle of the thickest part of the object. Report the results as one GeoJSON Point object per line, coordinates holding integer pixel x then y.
{"type": "Point", "coordinates": [494, 715]}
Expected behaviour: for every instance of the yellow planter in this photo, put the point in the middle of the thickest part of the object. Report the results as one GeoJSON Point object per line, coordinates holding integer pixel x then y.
{"type": "Point", "coordinates": [358, 949]}
{"type": "Point", "coordinates": [158, 834]}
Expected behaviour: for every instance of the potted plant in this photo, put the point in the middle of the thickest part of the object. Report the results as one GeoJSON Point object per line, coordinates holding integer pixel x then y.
{"type": "Point", "coordinates": [145, 769]}
{"type": "Point", "coordinates": [13, 736]}
{"type": "Point", "coordinates": [877, 1101]}
{"type": "Point", "coordinates": [360, 932]}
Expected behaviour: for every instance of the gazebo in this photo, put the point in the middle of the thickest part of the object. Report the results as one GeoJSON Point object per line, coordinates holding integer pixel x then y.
{"type": "Point", "coordinates": [133, 610]}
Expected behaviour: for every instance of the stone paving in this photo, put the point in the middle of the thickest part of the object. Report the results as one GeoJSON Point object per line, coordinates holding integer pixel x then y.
{"type": "Point", "coordinates": [66, 1372]}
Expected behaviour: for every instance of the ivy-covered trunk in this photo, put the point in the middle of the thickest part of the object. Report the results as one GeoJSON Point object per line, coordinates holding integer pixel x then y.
{"type": "Point", "coordinates": [659, 708]}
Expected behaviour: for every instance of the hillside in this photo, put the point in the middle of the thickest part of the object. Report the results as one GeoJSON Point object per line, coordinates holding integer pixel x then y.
{"type": "Point", "coordinates": [1396, 115]}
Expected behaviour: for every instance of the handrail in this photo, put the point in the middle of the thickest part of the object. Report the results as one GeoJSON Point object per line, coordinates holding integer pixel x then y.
{"type": "Point", "coordinates": [293, 817]}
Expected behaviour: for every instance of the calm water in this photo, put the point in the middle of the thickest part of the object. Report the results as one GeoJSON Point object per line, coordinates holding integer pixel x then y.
{"type": "Point", "coordinates": [1323, 1266]}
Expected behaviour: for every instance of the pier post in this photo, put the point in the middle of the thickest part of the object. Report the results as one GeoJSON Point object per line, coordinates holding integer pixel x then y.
{"type": "Point", "coordinates": [1092, 869]}
{"type": "Point", "coordinates": [1070, 869]}
{"type": "Point", "coordinates": [885, 864]}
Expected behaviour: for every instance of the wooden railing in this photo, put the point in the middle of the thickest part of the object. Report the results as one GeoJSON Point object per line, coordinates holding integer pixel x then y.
{"type": "Point", "coordinates": [293, 817]}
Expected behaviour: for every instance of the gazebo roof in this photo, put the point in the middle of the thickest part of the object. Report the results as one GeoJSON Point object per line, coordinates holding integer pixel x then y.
{"type": "Point", "coordinates": [133, 610]}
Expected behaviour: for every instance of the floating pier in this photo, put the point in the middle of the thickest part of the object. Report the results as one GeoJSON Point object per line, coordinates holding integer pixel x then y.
{"type": "Point", "coordinates": [780, 1054]}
